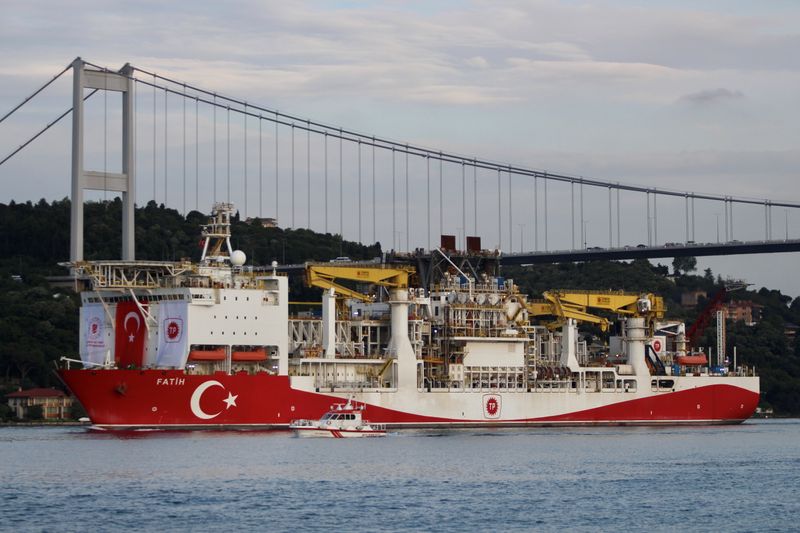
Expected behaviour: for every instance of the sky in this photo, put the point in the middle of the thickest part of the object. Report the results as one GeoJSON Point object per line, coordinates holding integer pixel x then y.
{"type": "Point", "coordinates": [697, 96]}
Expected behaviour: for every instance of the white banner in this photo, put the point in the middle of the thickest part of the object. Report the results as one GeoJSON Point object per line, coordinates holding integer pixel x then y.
{"type": "Point", "coordinates": [94, 334]}
{"type": "Point", "coordinates": [173, 345]}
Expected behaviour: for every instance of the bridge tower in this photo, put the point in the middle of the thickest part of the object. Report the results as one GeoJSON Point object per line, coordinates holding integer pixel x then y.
{"type": "Point", "coordinates": [82, 179]}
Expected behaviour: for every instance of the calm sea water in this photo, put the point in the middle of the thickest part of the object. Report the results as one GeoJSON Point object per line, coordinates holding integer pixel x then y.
{"type": "Point", "coordinates": [736, 478]}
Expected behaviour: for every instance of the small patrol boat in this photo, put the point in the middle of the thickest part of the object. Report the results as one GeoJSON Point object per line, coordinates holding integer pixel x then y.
{"type": "Point", "coordinates": [343, 420]}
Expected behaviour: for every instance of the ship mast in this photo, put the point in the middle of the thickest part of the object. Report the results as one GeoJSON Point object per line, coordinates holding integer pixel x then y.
{"type": "Point", "coordinates": [217, 235]}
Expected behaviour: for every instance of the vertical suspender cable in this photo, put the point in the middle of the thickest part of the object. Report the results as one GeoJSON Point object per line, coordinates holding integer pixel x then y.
{"type": "Point", "coordinates": [308, 174]}
{"type": "Point", "coordinates": [326, 182]}
{"type": "Point", "coordinates": [408, 223]}
{"type": "Point", "coordinates": [154, 137]}
{"type": "Point", "coordinates": [655, 217]}
{"type": "Point", "coordinates": [277, 188]}
{"type": "Point", "coordinates": [135, 126]}
{"type": "Point", "coordinates": [647, 200]}
{"type": "Point", "coordinates": [475, 197]}
{"type": "Point", "coordinates": [572, 209]}
{"type": "Point", "coordinates": [499, 213]}
{"type": "Point", "coordinates": [428, 166]}
{"type": "Point", "coordinates": [583, 224]}
{"type": "Point", "coordinates": [359, 191]}
{"type": "Point", "coordinates": [693, 219]}
{"type": "Point", "coordinates": [374, 238]}
{"type": "Point", "coordinates": [260, 168]}
{"type": "Point", "coordinates": [619, 241]}
{"type": "Point", "coordinates": [545, 213]}
{"type": "Point", "coordinates": [341, 188]}
{"type": "Point", "coordinates": [183, 101]}
{"type": "Point", "coordinates": [214, 107]}
{"type": "Point", "coordinates": [228, 157]}
{"type": "Point", "coordinates": [293, 221]}
{"type": "Point", "coordinates": [464, 203]}
{"type": "Point", "coordinates": [510, 216]}
{"type": "Point", "coordinates": [196, 154]}
{"type": "Point", "coordinates": [105, 136]}
{"type": "Point", "coordinates": [441, 194]}
{"type": "Point", "coordinates": [394, 205]}
{"type": "Point", "coordinates": [730, 213]}
{"type": "Point", "coordinates": [610, 221]}
{"type": "Point", "coordinates": [245, 160]}
{"type": "Point", "coordinates": [536, 213]}
{"type": "Point", "coordinates": [166, 150]}
{"type": "Point", "coordinates": [686, 214]}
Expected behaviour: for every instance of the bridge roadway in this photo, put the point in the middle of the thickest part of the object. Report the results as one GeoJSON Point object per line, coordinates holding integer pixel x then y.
{"type": "Point", "coordinates": [599, 254]}
{"type": "Point", "coordinates": [652, 252]}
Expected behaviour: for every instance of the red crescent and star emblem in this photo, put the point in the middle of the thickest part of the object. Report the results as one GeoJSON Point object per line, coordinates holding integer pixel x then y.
{"type": "Point", "coordinates": [194, 403]}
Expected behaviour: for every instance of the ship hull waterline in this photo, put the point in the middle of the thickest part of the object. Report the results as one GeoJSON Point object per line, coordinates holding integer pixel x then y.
{"type": "Point", "coordinates": [172, 399]}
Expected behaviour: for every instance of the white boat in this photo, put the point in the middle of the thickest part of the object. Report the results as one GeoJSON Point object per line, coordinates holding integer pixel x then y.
{"type": "Point", "coordinates": [344, 420]}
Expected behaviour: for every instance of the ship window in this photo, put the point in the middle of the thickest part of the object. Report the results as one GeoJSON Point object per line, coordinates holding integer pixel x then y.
{"type": "Point", "coordinates": [630, 385]}
{"type": "Point", "coordinates": [248, 298]}
{"type": "Point", "coordinates": [236, 298]}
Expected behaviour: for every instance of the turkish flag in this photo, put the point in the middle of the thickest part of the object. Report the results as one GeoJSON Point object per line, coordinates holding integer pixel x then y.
{"type": "Point", "coordinates": [131, 334]}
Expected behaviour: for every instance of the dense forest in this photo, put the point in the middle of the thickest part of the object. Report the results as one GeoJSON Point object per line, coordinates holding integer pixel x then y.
{"type": "Point", "coordinates": [39, 323]}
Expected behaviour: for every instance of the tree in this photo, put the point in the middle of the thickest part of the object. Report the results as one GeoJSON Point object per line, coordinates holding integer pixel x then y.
{"type": "Point", "coordinates": [684, 265]}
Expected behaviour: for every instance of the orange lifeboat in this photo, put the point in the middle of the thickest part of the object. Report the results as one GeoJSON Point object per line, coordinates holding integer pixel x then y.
{"type": "Point", "coordinates": [207, 355]}
{"type": "Point", "coordinates": [699, 359]}
{"type": "Point", "coordinates": [254, 355]}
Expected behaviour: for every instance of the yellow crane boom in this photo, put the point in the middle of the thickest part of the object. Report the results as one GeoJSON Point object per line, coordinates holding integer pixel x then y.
{"type": "Point", "coordinates": [326, 276]}
{"type": "Point", "coordinates": [575, 304]}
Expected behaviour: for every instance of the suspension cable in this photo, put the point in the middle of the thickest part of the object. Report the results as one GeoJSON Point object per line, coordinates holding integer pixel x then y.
{"type": "Point", "coordinates": [40, 132]}
{"type": "Point", "coordinates": [37, 91]}
{"type": "Point", "coordinates": [353, 136]}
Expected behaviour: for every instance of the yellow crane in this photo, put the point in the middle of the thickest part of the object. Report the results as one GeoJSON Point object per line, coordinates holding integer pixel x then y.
{"type": "Point", "coordinates": [564, 304]}
{"type": "Point", "coordinates": [327, 276]}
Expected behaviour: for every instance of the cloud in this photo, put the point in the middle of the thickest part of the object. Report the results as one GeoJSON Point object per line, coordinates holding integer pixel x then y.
{"type": "Point", "coordinates": [711, 96]}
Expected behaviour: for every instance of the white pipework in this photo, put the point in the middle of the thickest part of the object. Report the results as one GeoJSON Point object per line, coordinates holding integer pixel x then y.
{"type": "Point", "coordinates": [636, 338]}
{"type": "Point", "coordinates": [569, 342]}
{"type": "Point", "coordinates": [329, 323]}
{"type": "Point", "coordinates": [399, 343]}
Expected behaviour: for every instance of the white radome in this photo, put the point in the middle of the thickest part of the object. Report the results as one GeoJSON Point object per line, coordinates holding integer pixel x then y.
{"type": "Point", "coordinates": [238, 258]}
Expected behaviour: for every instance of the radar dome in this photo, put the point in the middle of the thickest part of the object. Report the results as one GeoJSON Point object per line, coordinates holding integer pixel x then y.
{"type": "Point", "coordinates": [238, 258]}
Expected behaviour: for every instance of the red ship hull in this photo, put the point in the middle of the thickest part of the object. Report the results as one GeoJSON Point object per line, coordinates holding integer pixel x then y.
{"type": "Point", "coordinates": [173, 399]}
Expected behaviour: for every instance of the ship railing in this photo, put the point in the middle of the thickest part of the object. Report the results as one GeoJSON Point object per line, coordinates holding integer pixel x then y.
{"type": "Point", "coordinates": [69, 360]}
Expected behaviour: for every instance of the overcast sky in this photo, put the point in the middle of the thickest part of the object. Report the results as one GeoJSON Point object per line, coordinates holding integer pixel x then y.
{"type": "Point", "coordinates": [698, 96]}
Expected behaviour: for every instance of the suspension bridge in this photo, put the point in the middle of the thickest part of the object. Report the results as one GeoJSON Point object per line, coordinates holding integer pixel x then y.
{"type": "Point", "coordinates": [187, 146]}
